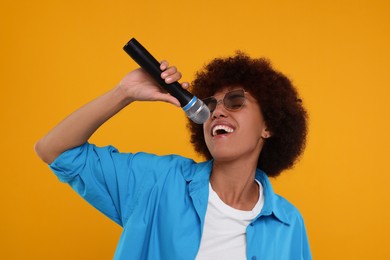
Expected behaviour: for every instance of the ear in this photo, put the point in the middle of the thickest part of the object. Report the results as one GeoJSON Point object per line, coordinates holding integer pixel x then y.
{"type": "Point", "coordinates": [265, 133]}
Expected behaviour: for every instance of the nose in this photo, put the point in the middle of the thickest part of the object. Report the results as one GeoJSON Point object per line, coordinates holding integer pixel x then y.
{"type": "Point", "coordinates": [219, 110]}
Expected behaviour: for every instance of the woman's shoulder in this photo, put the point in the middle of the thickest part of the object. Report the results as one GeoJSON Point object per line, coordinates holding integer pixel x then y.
{"type": "Point", "coordinates": [287, 208]}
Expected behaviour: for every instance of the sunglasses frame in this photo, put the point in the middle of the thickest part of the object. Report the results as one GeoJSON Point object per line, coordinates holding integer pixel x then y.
{"type": "Point", "coordinates": [223, 100]}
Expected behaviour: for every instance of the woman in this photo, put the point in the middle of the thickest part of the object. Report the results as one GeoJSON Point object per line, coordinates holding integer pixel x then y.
{"type": "Point", "coordinates": [174, 208]}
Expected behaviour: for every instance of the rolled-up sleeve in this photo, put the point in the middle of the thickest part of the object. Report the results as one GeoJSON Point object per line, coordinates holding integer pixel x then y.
{"type": "Point", "coordinates": [102, 176]}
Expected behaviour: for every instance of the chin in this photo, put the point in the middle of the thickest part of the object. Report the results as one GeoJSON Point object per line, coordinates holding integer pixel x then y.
{"type": "Point", "coordinates": [224, 156]}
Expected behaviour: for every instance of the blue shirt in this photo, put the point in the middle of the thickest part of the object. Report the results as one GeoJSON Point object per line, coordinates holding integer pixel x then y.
{"type": "Point", "coordinates": [161, 202]}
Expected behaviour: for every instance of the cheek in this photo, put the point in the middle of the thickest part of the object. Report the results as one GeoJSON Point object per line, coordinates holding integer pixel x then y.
{"type": "Point", "coordinates": [204, 131]}
{"type": "Point", "coordinates": [205, 135]}
{"type": "Point", "coordinates": [257, 125]}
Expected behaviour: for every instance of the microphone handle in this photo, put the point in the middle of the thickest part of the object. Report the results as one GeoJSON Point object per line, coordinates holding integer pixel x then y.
{"type": "Point", "coordinates": [140, 55]}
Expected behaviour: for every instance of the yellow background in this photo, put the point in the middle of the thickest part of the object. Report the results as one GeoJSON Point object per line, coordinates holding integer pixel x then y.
{"type": "Point", "coordinates": [58, 55]}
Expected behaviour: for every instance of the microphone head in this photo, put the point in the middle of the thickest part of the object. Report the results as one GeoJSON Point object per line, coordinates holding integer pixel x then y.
{"type": "Point", "coordinates": [198, 112]}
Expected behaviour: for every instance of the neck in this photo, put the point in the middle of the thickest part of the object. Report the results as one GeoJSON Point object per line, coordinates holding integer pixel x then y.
{"type": "Point", "coordinates": [234, 182]}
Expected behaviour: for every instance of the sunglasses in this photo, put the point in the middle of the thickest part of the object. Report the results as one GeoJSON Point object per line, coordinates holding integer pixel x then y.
{"type": "Point", "coordinates": [233, 100]}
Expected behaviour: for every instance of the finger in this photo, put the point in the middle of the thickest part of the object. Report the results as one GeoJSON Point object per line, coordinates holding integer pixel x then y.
{"type": "Point", "coordinates": [185, 85]}
{"type": "Point", "coordinates": [164, 65]}
{"type": "Point", "coordinates": [172, 78]}
{"type": "Point", "coordinates": [168, 72]}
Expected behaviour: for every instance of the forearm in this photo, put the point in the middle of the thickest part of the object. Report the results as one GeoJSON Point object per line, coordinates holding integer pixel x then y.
{"type": "Point", "coordinates": [77, 128]}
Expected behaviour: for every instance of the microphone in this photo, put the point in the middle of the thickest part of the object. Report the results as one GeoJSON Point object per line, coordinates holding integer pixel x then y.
{"type": "Point", "coordinates": [195, 109]}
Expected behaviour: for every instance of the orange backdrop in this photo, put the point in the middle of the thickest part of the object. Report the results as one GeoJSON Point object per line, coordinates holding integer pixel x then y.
{"type": "Point", "coordinates": [58, 55]}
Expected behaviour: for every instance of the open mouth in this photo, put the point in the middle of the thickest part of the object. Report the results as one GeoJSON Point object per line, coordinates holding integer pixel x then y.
{"type": "Point", "coordinates": [221, 129]}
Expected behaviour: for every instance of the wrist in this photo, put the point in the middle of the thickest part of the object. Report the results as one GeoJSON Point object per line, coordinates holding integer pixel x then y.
{"type": "Point", "coordinates": [122, 93]}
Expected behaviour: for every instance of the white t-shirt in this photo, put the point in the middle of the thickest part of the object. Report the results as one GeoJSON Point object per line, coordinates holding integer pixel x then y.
{"type": "Point", "coordinates": [224, 232]}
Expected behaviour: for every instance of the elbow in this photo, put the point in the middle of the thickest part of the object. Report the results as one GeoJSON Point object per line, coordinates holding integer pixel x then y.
{"type": "Point", "coordinates": [42, 153]}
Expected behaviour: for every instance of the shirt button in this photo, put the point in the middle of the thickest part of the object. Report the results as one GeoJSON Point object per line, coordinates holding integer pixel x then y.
{"type": "Point", "coordinates": [254, 257]}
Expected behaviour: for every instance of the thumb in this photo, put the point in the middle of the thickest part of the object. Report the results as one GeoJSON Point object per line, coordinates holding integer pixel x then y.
{"type": "Point", "coordinates": [169, 99]}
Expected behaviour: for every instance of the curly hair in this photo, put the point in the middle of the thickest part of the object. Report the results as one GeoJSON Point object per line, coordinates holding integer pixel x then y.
{"type": "Point", "coordinates": [282, 109]}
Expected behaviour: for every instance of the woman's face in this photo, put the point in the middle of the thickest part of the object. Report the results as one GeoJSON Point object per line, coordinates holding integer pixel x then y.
{"type": "Point", "coordinates": [235, 134]}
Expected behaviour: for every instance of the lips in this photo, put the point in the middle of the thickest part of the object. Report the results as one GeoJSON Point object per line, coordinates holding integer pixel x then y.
{"type": "Point", "coordinates": [220, 129]}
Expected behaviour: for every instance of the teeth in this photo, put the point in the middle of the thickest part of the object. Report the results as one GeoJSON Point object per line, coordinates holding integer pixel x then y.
{"type": "Point", "coordinates": [222, 127]}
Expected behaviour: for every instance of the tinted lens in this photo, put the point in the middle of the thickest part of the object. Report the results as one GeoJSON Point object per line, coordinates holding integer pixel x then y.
{"type": "Point", "coordinates": [234, 100]}
{"type": "Point", "coordinates": [211, 103]}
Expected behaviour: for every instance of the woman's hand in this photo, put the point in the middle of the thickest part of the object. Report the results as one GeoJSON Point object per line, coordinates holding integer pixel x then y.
{"type": "Point", "coordinates": [138, 85]}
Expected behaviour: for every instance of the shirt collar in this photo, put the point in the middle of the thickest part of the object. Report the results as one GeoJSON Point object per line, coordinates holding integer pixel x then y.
{"type": "Point", "coordinates": [272, 203]}
{"type": "Point", "coordinates": [199, 178]}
